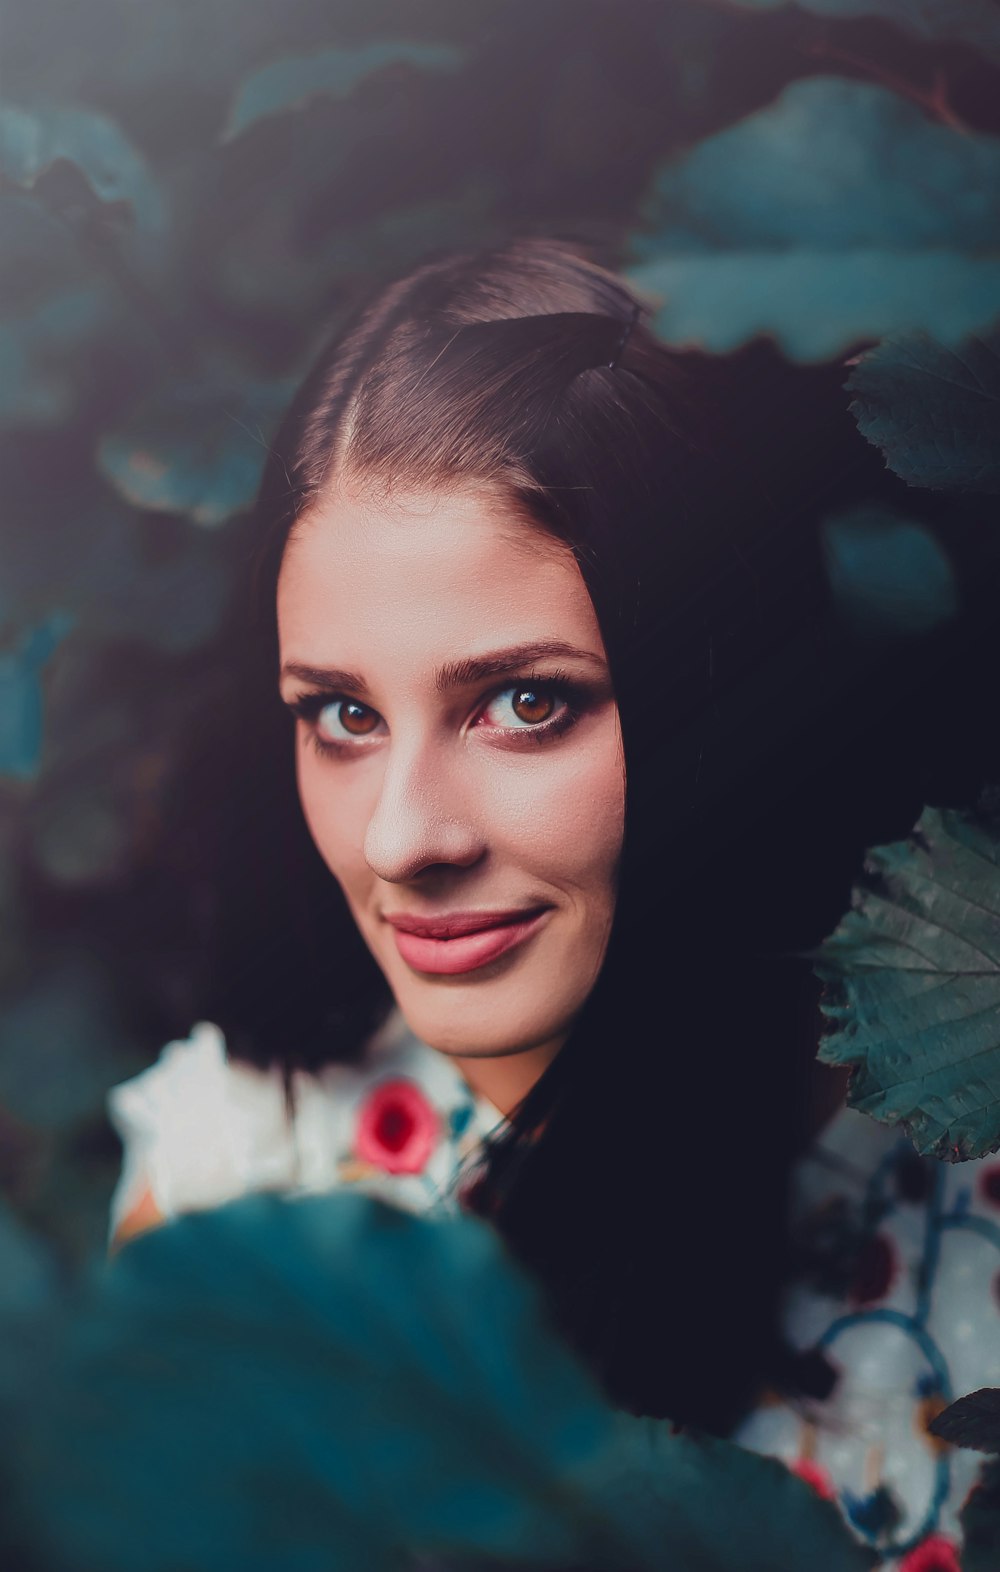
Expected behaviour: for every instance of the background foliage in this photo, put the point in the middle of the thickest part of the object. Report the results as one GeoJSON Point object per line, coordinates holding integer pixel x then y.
{"type": "Point", "coordinates": [193, 195]}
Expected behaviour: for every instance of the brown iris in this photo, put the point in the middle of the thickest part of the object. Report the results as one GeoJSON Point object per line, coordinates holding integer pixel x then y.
{"type": "Point", "coordinates": [530, 699]}
{"type": "Point", "coordinates": [356, 718]}
{"type": "Point", "coordinates": [529, 705]}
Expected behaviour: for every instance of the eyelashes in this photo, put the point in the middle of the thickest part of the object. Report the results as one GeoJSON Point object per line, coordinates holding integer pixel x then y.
{"type": "Point", "coordinates": [574, 697]}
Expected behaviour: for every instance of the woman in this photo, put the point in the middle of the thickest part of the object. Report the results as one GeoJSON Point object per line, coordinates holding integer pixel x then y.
{"type": "Point", "coordinates": [501, 579]}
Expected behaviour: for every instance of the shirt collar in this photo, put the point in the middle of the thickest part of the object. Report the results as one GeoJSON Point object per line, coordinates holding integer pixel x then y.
{"type": "Point", "coordinates": [396, 1044]}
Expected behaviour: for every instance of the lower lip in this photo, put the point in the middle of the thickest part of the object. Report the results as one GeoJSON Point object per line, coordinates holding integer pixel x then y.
{"type": "Point", "coordinates": [446, 957]}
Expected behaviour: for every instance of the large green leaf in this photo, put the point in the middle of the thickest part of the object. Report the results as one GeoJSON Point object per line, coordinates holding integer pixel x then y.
{"type": "Point", "coordinates": [330, 1382]}
{"type": "Point", "coordinates": [912, 977]}
{"type": "Point", "coordinates": [328, 73]}
{"type": "Point", "coordinates": [972, 22]}
{"type": "Point", "coordinates": [836, 214]}
{"type": "Point", "coordinates": [33, 139]}
{"type": "Point", "coordinates": [933, 410]}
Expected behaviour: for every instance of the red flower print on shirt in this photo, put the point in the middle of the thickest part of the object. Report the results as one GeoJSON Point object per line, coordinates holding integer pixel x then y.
{"type": "Point", "coordinates": [816, 1476]}
{"type": "Point", "coordinates": [935, 1554]}
{"type": "Point", "coordinates": [875, 1271]}
{"type": "Point", "coordinates": [397, 1127]}
{"type": "Point", "coordinates": [989, 1184]}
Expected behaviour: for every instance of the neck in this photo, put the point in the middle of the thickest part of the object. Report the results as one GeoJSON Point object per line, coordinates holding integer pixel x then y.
{"type": "Point", "coordinates": [503, 1079]}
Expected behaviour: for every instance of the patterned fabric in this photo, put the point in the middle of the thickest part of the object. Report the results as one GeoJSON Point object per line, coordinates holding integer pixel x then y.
{"type": "Point", "coordinates": [898, 1257]}
{"type": "Point", "coordinates": [898, 1285]}
{"type": "Point", "coordinates": [199, 1129]}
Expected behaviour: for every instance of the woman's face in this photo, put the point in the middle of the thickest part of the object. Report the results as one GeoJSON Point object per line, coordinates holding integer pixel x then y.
{"type": "Point", "coordinates": [439, 787]}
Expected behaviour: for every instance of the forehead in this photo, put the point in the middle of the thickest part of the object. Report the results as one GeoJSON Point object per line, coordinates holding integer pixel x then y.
{"type": "Point", "coordinates": [434, 572]}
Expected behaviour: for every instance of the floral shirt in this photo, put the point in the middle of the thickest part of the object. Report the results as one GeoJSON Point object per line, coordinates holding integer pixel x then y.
{"type": "Point", "coordinates": [898, 1285]}
{"type": "Point", "coordinates": [199, 1129]}
{"type": "Point", "coordinates": [898, 1257]}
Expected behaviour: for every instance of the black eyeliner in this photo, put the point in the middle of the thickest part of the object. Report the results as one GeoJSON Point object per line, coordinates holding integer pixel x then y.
{"type": "Point", "coordinates": [574, 694]}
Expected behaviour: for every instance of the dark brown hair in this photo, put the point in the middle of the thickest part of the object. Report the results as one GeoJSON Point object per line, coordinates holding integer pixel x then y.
{"type": "Point", "coordinates": [643, 1178]}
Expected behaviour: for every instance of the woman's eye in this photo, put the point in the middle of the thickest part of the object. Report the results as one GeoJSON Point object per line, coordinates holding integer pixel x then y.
{"type": "Point", "coordinates": [535, 708]}
{"type": "Point", "coordinates": [530, 704]}
{"type": "Point", "coordinates": [354, 719]}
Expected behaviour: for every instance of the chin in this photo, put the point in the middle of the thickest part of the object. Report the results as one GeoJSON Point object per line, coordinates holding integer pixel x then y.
{"type": "Point", "coordinates": [471, 1029]}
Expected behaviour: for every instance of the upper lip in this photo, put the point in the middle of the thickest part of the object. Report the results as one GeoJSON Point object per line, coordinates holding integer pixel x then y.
{"type": "Point", "coordinates": [449, 925]}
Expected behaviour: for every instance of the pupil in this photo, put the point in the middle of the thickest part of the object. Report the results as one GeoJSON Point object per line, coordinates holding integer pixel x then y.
{"type": "Point", "coordinates": [531, 700]}
{"type": "Point", "coordinates": [353, 713]}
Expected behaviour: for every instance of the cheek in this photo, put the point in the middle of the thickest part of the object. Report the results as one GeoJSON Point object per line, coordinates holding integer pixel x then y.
{"type": "Point", "coordinates": [562, 816]}
{"type": "Point", "coordinates": [565, 816]}
{"type": "Point", "coordinates": [598, 814]}
{"type": "Point", "coordinates": [333, 822]}
{"type": "Point", "coordinates": [597, 811]}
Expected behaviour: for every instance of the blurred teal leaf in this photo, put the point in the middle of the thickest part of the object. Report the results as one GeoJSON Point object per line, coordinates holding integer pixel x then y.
{"type": "Point", "coordinates": [21, 695]}
{"type": "Point", "coordinates": [112, 51]}
{"type": "Point", "coordinates": [84, 834]}
{"type": "Point", "coordinates": [934, 411]}
{"type": "Point", "coordinates": [292, 82]}
{"type": "Point", "coordinates": [120, 575]}
{"type": "Point", "coordinates": [33, 139]}
{"type": "Point", "coordinates": [837, 213]}
{"type": "Point", "coordinates": [408, 231]}
{"type": "Point", "coordinates": [974, 22]}
{"type": "Point", "coordinates": [39, 256]}
{"type": "Point", "coordinates": [330, 1383]}
{"type": "Point", "coordinates": [264, 261]}
{"type": "Point", "coordinates": [28, 1286]}
{"type": "Point", "coordinates": [195, 449]}
{"type": "Point", "coordinates": [912, 976]}
{"type": "Point", "coordinates": [115, 717]}
{"type": "Point", "coordinates": [887, 574]}
{"type": "Point", "coordinates": [27, 1276]}
{"type": "Point", "coordinates": [813, 304]}
{"type": "Point", "coordinates": [40, 350]}
{"type": "Point", "coordinates": [61, 1042]}
{"type": "Point", "coordinates": [13, 947]}
{"type": "Point", "coordinates": [30, 1321]}
{"type": "Point", "coordinates": [174, 604]}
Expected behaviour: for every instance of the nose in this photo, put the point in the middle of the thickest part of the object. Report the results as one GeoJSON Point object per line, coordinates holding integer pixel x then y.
{"type": "Point", "coordinates": [423, 816]}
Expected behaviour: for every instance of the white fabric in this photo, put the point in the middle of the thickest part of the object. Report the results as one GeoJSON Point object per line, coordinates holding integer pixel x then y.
{"type": "Point", "coordinates": [199, 1129]}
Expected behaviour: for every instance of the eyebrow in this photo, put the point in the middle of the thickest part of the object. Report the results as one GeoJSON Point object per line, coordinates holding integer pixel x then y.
{"type": "Point", "coordinates": [454, 674]}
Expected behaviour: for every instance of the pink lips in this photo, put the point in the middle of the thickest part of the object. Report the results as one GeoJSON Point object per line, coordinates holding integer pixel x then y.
{"type": "Point", "coordinates": [469, 946]}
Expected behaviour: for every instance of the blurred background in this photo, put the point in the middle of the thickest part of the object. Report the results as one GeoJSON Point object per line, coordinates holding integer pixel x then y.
{"type": "Point", "coordinates": [193, 195]}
